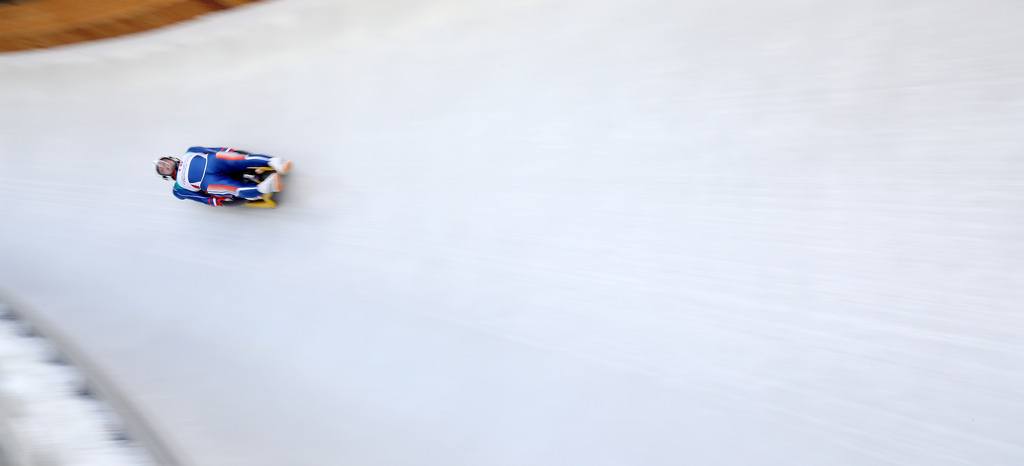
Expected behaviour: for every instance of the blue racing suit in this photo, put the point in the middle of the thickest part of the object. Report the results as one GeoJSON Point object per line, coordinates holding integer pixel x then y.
{"type": "Point", "coordinates": [213, 175]}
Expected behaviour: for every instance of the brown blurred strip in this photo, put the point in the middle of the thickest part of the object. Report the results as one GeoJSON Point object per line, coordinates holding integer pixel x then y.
{"type": "Point", "coordinates": [30, 24]}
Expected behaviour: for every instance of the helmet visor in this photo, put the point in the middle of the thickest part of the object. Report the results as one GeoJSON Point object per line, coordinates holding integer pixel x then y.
{"type": "Point", "coordinates": [165, 167]}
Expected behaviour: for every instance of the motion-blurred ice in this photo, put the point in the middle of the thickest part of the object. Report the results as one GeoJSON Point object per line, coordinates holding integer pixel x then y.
{"type": "Point", "coordinates": [544, 233]}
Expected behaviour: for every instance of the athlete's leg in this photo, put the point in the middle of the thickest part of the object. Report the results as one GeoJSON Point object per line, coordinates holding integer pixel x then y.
{"type": "Point", "coordinates": [222, 185]}
{"type": "Point", "coordinates": [235, 162]}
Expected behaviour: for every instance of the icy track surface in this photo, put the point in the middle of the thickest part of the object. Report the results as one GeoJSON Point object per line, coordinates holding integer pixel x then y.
{"type": "Point", "coordinates": [544, 233]}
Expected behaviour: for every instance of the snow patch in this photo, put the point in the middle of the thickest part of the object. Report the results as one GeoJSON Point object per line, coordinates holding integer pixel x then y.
{"type": "Point", "coordinates": [48, 414]}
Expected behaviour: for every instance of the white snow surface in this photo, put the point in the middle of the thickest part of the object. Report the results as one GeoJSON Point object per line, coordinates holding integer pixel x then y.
{"type": "Point", "coordinates": [43, 419]}
{"type": "Point", "coordinates": [543, 232]}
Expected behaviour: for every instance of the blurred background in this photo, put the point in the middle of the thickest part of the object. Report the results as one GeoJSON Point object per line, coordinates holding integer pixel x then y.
{"type": "Point", "coordinates": [30, 24]}
{"type": "Point", "coordinates": [528, 233]}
